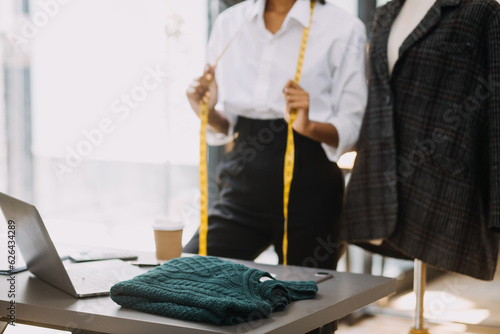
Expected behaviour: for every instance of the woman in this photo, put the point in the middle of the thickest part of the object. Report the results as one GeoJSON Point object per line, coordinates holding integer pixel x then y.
{"type": "Point", "coordinates": [251, 97]}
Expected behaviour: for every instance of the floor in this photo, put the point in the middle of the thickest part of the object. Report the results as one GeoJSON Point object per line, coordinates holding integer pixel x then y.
{"type": "Point", "coordinates": [392, 325]}
{"type": "Point", "coordinates": [453, 304]}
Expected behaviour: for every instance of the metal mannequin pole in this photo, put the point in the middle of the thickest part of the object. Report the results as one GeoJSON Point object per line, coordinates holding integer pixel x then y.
{"type": "Point", "coordinates": [419, 288]}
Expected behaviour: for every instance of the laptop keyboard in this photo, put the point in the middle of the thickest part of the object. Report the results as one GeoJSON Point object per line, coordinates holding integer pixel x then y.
{"type": "Point", "coordinates": [99, 277]}
{"type": "Point", "coordinates": [99, 255]}
{"type": "Point", "coordinates": [86, 281]}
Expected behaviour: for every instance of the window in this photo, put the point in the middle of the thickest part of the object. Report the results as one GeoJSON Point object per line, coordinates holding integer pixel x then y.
{"type": "Point", "coordinates": [3, 136]}
{"type": "Point", "coordinates": [114, 142]}
{"type": "Point", "coordinates": [104, 137]}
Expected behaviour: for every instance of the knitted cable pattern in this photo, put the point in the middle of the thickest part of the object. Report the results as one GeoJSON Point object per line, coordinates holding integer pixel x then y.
{"type": "Point", "coordinates": [209, 289]}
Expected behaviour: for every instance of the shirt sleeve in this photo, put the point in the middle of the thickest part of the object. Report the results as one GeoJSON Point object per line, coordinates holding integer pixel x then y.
{"type": "Point", "coordinates": [215, 47]}
{"type": "Point", "coordinates": [351, 92]}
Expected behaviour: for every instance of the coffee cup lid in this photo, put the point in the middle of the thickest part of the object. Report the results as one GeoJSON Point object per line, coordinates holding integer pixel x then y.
{"type": "Point", "coordinates": [168, 224]}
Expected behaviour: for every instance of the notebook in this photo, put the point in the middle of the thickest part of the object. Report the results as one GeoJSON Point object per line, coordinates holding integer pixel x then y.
{"type": "Point", "coordinates": [27, 231]}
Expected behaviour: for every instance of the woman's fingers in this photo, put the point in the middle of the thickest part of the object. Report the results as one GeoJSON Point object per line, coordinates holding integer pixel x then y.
{"type": "Point", "coordinates": [292, 85]}
{"type": "Point", "coordinates": [198, 92]}
{"type": "Point", "coordinates": [298, 105]}
{"type": "Point", "coordinates": [296, 97]}
{"type": "Point", "coordinates": [293, 90]}
{"type": "Point", "coordinates": [208, 73]}
{"type": "Point", "coordinates": [203, 89]}
{"type": "Point", "coordinates": [201, 84]}
{"type": "Point", "coordinates": [193, 90]}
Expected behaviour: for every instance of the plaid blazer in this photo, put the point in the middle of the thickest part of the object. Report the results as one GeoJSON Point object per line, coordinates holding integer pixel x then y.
{"type": "Point", "coordinates": [427, 174]}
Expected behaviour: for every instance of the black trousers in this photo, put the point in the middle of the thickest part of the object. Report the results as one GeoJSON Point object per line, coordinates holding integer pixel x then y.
{"type": "Point", "coordinates": [248, 215]}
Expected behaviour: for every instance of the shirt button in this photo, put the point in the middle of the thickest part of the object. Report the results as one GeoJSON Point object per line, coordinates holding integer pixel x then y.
{"type": "Point", "coordinates": [387, 99]}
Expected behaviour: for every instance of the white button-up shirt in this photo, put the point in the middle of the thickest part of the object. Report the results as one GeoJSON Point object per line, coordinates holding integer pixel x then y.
{"type": "Point", "coordinates": [252, 73]}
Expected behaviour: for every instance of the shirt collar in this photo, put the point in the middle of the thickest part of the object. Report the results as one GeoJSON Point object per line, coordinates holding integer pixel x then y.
{"type": "Point", "coordinates": [301, 11]}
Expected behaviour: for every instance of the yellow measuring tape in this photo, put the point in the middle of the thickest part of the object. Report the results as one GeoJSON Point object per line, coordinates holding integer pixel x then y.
{"type": "Point", "coordinates": [202, 250]}
{"type": "Point", "coordinates": [290, 145]}
{"type": "Point", "coordinates": [289, 154]}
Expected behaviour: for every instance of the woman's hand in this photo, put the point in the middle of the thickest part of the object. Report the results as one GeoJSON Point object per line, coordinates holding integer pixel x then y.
{"type": "Point", "coordinates": [204, 87]}
{"type": "Point", "coordinates": [297, 98]}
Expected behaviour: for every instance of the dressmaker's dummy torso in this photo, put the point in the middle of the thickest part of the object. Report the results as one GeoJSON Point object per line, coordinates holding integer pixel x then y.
{"type": "Point", "coordinates": [425, 181]}
{"type": "Point", "coordinates": [407, 20]}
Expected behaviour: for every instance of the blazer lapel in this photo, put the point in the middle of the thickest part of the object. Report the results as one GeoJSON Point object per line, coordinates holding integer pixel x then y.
{"type": "Point", "coordinates": [425, 26]}
{"type": "Point", "coordinates": [386, 17]}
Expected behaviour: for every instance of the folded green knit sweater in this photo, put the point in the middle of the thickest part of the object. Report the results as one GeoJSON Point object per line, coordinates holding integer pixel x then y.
{"type": "Point", "coordinates": [208, 289]}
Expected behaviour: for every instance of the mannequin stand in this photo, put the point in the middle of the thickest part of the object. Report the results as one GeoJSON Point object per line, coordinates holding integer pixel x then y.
{"type": "Point", "coordinates": [419, 288]}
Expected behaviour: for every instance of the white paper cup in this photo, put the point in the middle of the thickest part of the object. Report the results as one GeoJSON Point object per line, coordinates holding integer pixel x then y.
{"type": "Point", "coordinates": [168, 238]}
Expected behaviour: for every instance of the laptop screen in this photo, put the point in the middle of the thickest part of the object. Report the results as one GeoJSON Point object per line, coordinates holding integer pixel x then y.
{"type": "Point", "coordinates": [34, 243]}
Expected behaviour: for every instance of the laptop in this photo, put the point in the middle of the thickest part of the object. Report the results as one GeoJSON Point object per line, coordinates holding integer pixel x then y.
{"type": "Point", "coordinates": [38, 251]}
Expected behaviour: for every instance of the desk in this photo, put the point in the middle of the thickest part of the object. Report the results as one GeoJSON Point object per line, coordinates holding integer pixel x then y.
{"type": "Point", "coordinates": [40, 304]}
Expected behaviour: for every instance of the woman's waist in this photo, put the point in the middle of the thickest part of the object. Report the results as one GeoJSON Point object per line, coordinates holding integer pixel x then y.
{"type": "Point", "coordinates": [268, 138]}
{"type": "Point", "coordinates": [254, 112]}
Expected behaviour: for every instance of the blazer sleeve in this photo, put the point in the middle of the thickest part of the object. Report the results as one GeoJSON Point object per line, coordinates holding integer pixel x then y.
{"type": "Point", "coordinates": [493, 110]}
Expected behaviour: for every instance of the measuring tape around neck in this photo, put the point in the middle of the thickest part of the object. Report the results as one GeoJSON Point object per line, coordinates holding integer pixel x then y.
{"type": "Point", "coordinates": [202, 250]}
{"type": "Point", "coordinates": [289, 155]}
{"type": "Point", "coordinates": [203, 170]}
{"type": "Point", "coordinates": [290, 145]}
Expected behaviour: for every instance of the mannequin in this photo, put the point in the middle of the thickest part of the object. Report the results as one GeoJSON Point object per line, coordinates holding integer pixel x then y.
{"type": "Point", "coordinates": [426, 180]}
{"type": "Point", "coordinates": [411, 15]}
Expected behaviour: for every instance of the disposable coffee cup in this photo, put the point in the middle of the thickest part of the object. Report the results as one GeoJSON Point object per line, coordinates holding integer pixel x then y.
{"type": "Point", "coordinates": [168, 238]}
